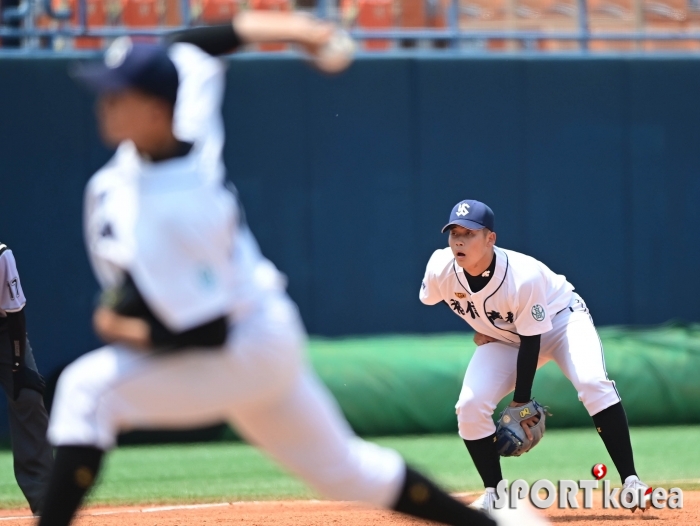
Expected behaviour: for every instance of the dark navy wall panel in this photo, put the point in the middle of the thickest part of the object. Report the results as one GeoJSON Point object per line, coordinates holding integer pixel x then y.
{"type": "Point", "coordinates": [665, 184]}
{"type": "Point", "coordinates": [362, 197]}
{"type": "Point", "coordinates": [48, 148]}
{"type": "Point", "coordinates": [590, 165]}
{"type": "Point", "coordinates": [575, 173]}
{"type": "Point", "coordinates": [470, 145]}
{"type": "Point", "coordinates": [267, 150]}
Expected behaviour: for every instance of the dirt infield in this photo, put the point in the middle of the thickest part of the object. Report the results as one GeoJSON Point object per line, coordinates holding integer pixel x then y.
{"type": "Point", "coordinates": [322, 513]}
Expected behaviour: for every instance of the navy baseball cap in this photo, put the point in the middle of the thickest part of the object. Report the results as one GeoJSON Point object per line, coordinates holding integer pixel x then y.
{"type": "Point", "coordinates": [132, 65]}
{"type": "Point", "coordinates": [471, 214]}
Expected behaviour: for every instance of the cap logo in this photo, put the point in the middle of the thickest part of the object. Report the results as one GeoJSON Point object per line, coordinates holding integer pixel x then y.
{"type": "Point", "coordinates": [462, 209]}
{"type": "Point", "coordinates": [117, 52]}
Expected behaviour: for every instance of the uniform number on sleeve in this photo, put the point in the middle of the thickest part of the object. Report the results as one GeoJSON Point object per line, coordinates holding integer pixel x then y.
{"type": "Point", "coordinates": [14, 284]}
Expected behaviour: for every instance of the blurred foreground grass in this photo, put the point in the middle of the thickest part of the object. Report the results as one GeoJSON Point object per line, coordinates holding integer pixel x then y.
{"type": "Point", "coordinates": [228, 471]}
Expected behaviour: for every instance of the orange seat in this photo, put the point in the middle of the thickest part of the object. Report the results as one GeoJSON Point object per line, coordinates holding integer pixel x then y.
{"type": "Point", "coordinates": [413, 13]}
{"type": "Point", "coordinates": [612, 16]}
{"type": "Point", "coordinates": [373, 14]}
{"type": "Point", "coordinates": [43, 21]}
{"type": "Point", "coordinates": [668, 16]}
{"type": "Point", "coordinates": [96, 16]}
{"type": "Point", "coordinates": [140, 13]}
{"type": "Point", "coordinates": [171, 12]}
{"type": "Point", "coordinates": [271, 5]}
{"type": "Point", "coordinates": [218, 10]}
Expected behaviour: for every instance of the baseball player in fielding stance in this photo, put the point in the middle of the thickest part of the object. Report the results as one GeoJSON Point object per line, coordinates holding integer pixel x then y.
{"type": "Point", "coordinates": [524, 315]}
{"type": "Point", "coordinates": [24, 387]}
{"type": "Point", "coordinates": [198, 324]}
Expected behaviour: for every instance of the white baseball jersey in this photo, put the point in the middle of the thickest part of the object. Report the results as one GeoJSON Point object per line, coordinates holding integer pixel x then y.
{"type": "Point", "coordinates": [170, 220]}
{"type": "Point", "coordinates": [197, 117]}
{"type": "Point", "coordinates": [176, 230]}
{"type": "Point", "coordinates": [11, 294]}
{"type": "Point", "coordinates": [521, 298]}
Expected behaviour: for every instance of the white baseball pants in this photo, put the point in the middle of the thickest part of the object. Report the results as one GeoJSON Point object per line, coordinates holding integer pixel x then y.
{"type": "Point", "coordinates": [573, 344]}
{"type": "Point", "coordinates": [260, 383]}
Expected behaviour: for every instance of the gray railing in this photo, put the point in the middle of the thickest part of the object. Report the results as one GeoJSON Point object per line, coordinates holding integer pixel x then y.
{"type": "Point", "coordinates": [25, 14]}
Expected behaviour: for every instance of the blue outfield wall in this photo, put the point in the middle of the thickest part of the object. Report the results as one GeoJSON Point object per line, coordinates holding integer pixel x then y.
{"type": "Point", "coordinates": [591, 165]}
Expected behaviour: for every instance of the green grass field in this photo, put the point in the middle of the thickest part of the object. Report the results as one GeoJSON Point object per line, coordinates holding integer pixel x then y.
{"type": "Point", "coordinates": [228, 471]}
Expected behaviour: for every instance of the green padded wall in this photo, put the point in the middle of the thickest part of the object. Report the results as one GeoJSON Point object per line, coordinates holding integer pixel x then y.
{"type": "Point", "coordinates": [409, 384]}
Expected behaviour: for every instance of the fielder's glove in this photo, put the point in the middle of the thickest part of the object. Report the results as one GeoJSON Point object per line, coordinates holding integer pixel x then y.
{"type": "Point", "coordinates": [26, 378]}
{"type": "Point", "coordinates": [511, 440]}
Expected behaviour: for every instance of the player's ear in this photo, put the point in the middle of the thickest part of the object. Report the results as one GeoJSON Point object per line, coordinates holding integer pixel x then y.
{"type": "Point", "coordinates": [491, 238]}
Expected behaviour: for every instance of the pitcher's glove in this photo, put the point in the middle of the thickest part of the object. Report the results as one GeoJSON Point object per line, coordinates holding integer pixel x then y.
{"type": "Point", "coordinates": [511, 440]}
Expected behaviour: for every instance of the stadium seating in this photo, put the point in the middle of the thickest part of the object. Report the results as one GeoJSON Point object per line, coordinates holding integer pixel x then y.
{"type": "Point", "coordinates": [97, 15]}
{"type": "Point", "coordinates": [218, 10]}
{"type": "Point", "coordinates": [370, 14]}
{"type": "Point", "coordinates": [542, 16]}
{"type": "Point", "coordinates": [141, 13]}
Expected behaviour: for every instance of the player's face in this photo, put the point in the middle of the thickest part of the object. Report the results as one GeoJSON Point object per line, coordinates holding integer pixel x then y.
{"type": "Point", "coordinates": [131, 115]}
{"type": "Point", "coordinates": [471, 247]}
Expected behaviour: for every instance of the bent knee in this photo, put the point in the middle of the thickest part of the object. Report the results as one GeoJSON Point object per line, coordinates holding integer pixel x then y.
{"type": "Point", "coordinates": [474, 417]}
{"type": "Point", "coordinates": [78, 416]}
{"type": "Point", "coordinates": [597, 394]}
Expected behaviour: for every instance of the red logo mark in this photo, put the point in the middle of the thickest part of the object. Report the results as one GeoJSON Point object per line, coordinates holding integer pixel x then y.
{"type": "Point", "coordinates": [599, 471]}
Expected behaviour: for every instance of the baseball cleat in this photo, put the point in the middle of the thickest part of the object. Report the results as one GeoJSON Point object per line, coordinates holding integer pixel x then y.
{"type": "Point", "coordinates": [633, 482]}
{"type": "Point", "coordinates": [523, 515]}
{"type": "Point", "coordinates": [485, 502]}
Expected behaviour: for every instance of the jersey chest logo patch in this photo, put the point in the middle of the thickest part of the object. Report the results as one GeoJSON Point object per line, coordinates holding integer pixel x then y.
{"type": "Point", "coordinates": [460, 295]}
{"type": "Point", "coordinates": [538, 312]}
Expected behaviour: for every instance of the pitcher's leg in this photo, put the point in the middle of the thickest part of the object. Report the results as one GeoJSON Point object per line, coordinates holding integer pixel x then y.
{"type": "Point", "coordinates": [114, 389]}
{"type": "Point", "coordinates": [306, 433]}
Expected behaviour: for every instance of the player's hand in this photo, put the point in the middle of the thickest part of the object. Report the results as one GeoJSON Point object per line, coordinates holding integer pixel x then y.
{"type": "Point", "coordinates": [527, 423]}
{"type": "Point", "coordinates": [330, 49]}
{"type": "Point", "coordinates": [481, 339]}
{"type": "Point", "coordinates": [115, 328]}
{"type": "Point", "coordinates": [314, 34]}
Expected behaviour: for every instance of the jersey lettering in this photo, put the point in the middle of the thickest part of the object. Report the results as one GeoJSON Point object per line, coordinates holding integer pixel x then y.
{"type": "Point", "coordinates": [457, 307]}
{"type": "Point", "coordinates": [520, 299]}
{"type": "Point", "coordinates": [494, 315]}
